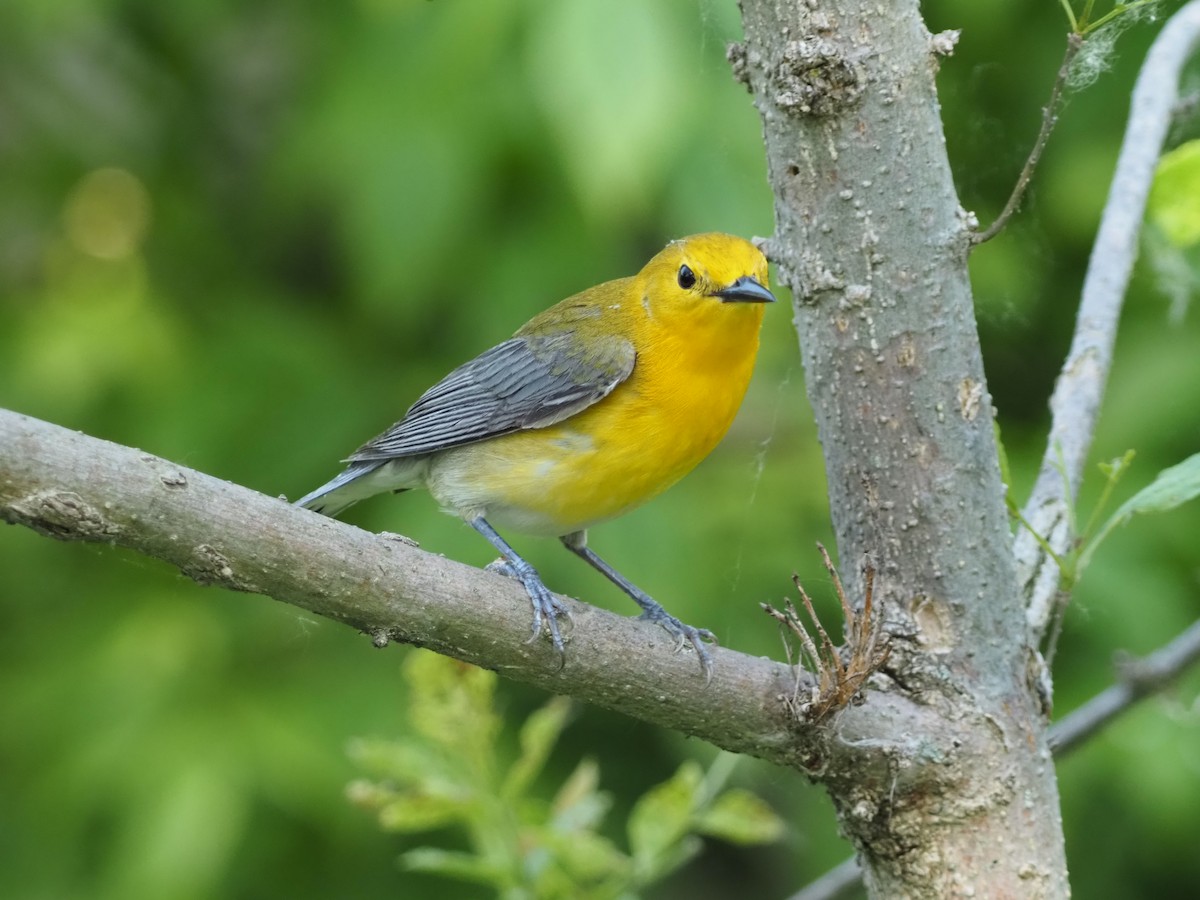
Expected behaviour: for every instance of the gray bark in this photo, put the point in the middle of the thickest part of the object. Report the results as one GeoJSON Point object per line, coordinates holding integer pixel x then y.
{"type": "Point", "coordinates": [73, 487]}
{"type": "Point", "coordinates": [955, 794]}
{"type": "Point", "coordinates": [1075, 404]}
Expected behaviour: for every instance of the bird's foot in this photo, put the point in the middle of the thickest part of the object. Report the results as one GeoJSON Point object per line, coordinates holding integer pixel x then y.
{"type": "Point", "coordinates": [546, 607]}
{"type": "Point", "coordinates": [684, 635]}
{"type": "Point", "coordinates": [501, 567]}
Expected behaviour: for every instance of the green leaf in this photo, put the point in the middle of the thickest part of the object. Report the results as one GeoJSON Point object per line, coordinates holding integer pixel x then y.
{"type": "Point", "coordinates": [538, 737]}
{"type": "Point", "coordinates": [451, 703]}
{"type": "Point", "coordinates": [740, 817]}
{"type": "Point", "coordinates": [579, 805]}
{"type": "Point", "coordinates": [587, 856]}
{"type": "Point", "coordinates": [1173, 487]}
{"type": "Point", "coordinates": [674, 857]}
{"type": "Point", "coordinates": [419, 811]}
{"type": "Point", "coordinates": [369, 795]}
{"type": "Point", "coordinates": [454, 864]}
{"type": "Point", "coordinates": [401, 761]}
{"type": "Point", "coordinates": [661, 817]}
{"type": "Point", "coordinates": [1172, 204]}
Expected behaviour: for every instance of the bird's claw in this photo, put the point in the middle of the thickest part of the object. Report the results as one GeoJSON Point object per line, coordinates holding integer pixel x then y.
{"type": "Point", "coordinates": [546, 609]}
{"type": "Point", "coordinates": [501, 567]}
{"type": "Point", "coordinates": [684, 635]}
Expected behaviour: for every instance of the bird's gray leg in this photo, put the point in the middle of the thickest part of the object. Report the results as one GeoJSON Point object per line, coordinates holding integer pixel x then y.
{"type": "Point", "coordinates": [546, 607]}
{"type": "Point", "coordinates": [652, 610]}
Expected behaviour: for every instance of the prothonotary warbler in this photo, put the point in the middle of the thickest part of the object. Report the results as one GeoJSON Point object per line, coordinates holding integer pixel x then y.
{"type": "Point", "coordinates": [593, 407]}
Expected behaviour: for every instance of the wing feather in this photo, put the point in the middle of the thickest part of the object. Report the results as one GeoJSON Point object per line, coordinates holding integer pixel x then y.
{"type": "Point", "coordinates": [529, 381]}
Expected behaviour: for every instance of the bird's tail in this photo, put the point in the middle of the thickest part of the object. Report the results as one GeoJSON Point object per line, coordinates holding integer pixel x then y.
{"type": "Point", "coordinates": [343, 491]}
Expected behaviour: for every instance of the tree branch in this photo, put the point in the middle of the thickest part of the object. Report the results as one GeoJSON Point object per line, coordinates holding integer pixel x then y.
{"type": "Point", "coordinates": [70, 486]}
{"type": "Point", "coordinates": [869, 235]}
{"type": "Point", "coordinates": [1049, 120]}
{"type": "Point", "coordinates": [1075, 404]}
{"type": "Point", "coordinates": [1139, 679]}
{"type": "Point", "coordinates": [839, 882]}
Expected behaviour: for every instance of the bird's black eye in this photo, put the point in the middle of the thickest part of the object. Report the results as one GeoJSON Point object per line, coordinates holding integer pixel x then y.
{"type": "Point", "coordinates": [687, 278]}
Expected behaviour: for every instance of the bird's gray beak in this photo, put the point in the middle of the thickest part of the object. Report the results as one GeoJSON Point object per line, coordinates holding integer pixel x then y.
{"type": "Point", "coordinates": [746, 290]}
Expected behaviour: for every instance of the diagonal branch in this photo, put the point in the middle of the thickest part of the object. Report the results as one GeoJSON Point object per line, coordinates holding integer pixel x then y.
{"type": "Point", "coordinates": [1136, 679]}
{"type": "Point", "coordinates": [1075, 404]}
{"type": "Point", "coordinates": [71, 486]}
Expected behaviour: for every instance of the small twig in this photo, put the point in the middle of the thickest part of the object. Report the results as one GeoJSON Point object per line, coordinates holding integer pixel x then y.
{"type": "Point", "coordinates": [1062, 599]}
{"type": "Point", "coordinates": [828, 648]}
{"type": "Point", "coordinates": [840, 676]}
{"type": "Point", "coordinates": [1075, 404]}
{"type": "Point", "coordinates": [809, 659]}
{"type": "Point", "coordinates": [838, 882]}
{"type": "Point", "coordinates": [1138, 678]}
{"type": "Point", "coordinates": [1186, 107]}
{"type": "Point", "coordinates": [847, 610]}
{"type": "Point", "coordinates": [808, 647]}
{"type": "Point", "coordinates": [1049, 119]}
{"type": "Point", "coordinates": [867, 613]}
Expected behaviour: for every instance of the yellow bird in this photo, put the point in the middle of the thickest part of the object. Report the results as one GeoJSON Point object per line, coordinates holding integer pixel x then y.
{"type": "Point", "coordinates": [596, 405]}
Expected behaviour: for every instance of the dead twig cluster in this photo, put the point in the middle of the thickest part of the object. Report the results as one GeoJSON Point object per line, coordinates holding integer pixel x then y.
{"type": "Point", "coordinates": [840, 673]}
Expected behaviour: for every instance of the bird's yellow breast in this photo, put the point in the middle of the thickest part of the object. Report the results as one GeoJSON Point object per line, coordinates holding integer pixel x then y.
{"type": "Point", "coordinates": [688, 381]}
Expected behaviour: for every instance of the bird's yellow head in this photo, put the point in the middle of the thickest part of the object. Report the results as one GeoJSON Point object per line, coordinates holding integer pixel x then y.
{"type": "Point", "coordinates": [706, 277]}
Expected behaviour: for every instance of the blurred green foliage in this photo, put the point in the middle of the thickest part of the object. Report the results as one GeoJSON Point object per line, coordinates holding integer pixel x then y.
{"type": "Point", "coordinates": [245, 236]}
{"type": "Point", "coordinates": [448, 771]}
{"type": "Point", "coordinates": [1172, 203]}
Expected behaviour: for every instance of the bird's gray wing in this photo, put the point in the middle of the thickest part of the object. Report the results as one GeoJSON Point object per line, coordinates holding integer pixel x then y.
{"type": "Point", "coordinates": [529, 381]}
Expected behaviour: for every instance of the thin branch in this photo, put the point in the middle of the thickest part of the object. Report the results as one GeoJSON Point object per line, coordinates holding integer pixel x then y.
{"type": "Point", "coordinates": [1049, 120]}
{"type": "Point", "coordinates": [1075, 404]}
{"type": "Point", "coordinates": [1138, 678]}
{"type": "Point", "coordinates": [840, 674]}
{"type": "Point", "coordinates": [74, 487]}
{"type": "Point", "coordinates": [839, 882]}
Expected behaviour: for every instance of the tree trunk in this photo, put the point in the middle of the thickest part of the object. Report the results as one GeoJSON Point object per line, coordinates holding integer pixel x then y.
{"type": "Point", "coordinates": [953, 792]}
